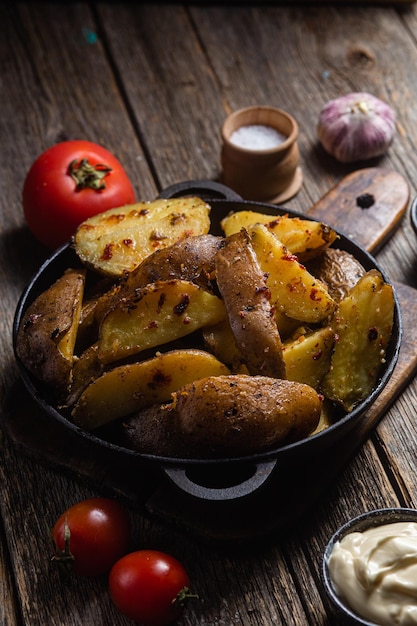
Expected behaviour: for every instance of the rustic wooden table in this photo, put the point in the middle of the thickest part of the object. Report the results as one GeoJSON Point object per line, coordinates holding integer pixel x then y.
{"type": "Point", "coordinates": [154, 84]}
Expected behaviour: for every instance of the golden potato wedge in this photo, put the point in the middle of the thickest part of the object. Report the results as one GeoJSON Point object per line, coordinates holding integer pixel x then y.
{"type": "Point", "coordinates": [304, 238]}
{"type": "Point", "coordinates": [136, 386]}
{"type": "Point", "coordinates": [46, 338]}
{"type": "Point", "coordinates": [294, 291]}
{"type": "Point", "coordinates": [363, 325]}
{"type": "Point", "coordinates": [118, 240]}
{"type": "Point", "coordinates": [241, 283]}
{"type": "Point", "coordinates": [307, 358]}
{"type": "Point", "coordinates": [160, 313]}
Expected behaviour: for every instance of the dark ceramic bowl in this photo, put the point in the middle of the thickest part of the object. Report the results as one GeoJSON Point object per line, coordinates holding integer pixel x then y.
{"type": "Point", "coordinates": [372, 519]}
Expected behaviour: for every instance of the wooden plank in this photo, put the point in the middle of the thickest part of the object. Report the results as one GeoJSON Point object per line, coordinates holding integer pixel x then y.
{"type": "Point", "coordinates": [287, 59]}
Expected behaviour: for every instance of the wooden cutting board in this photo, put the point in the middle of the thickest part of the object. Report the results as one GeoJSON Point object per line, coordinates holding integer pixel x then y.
{"type": "Point", "coordinates": [366, 206]}
{"type": "Point", "coordinates": [147, 488]}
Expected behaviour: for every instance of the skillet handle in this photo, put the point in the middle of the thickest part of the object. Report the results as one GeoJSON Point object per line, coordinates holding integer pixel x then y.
{"type": "Point", "coordinates": [198, 481]}
{"type": "Point", "coordinates": [205, 189]}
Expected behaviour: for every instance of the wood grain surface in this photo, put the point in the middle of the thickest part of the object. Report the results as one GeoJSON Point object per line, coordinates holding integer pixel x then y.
{"type": "Point", "coordinates": [154, 85]}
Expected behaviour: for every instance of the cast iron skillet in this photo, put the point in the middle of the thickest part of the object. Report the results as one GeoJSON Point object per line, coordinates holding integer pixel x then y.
{"type": "Point", "coordinates": [233, 477]}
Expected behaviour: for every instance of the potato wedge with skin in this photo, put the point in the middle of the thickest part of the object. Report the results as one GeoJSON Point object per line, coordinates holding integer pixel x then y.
{"type": "Point", "coordinates": [237, 414]}
{"type": "Point", "coordinates": [304, 238]}
{"type": "Point", "coordinates": [241, 283]}
{"type": "Point", "coordinates": [294, 291]}
{"type": "Point", "coordinates": [363, 325]}
{"type": "Point", "coordinates": [118, 240]}
{"type": "Point", "coordinates": [338, 270]}
{"type": "Point", "coordinates": [307, 358]}
{"type": "Point", "coordinates": [150, 431]}
{"type": "Point", "coordinates": [46, 338]}
{"type": "Point", "coordinates": [160, 313]}
{"type": "Point", "coordinates": [86, 368]}
{"type": "Point", "coordinates": [224, 416]}
{"type": "Point", "coordinates": [190, 259]}
{"type": "Point", "coordinates": [220, 341]}
{"type": "Point", "coordinates": [135, 386]}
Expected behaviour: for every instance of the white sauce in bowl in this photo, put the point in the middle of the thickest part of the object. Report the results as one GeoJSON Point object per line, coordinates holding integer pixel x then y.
{"type": "Point", "coordinates": [374, 573]}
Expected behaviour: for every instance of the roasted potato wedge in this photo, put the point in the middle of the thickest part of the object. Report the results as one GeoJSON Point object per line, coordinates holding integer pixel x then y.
{"type": "Point", "coordinates": [363, 326]}
{"type": "Point", "coordinates": [338, 270]}
{"type": "Point", "coordinates": [304, 238]}
{"type": "Point", "coordinates": [86, 368]}
{"type": "Point", "coordinates": [220, 341]}
{"type": "Point", "coordinates": [118, 240]}
{"type": "Point", "coordinates": [190, 259]}
{"type": "Point", "coordinates": [224, 416]}
{"type": "Point", "coordinates": [294, 291]}
{"type": "Point", "coordinates": [241, 283]}
{"type": "Point", "coordinates": [307, 358]}
{"type": "Point", "coordinates": [129, 388]}
{"type": "Point", "coordinates": [46, 338]}
{"type": "Point", "coordinates": [159, 313]}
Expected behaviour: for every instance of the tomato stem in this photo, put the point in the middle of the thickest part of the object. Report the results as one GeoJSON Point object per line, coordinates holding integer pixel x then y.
{"type": "Point", "coordinates": [182, 596]}
{"type": "Point", "coordinates": [87, 176]}
{"type": "Point", "coordinates": [64, 557]}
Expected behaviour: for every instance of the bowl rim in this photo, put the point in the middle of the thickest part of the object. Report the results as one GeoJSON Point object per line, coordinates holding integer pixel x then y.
{"type": "Point", "coordinates": [361, 522]}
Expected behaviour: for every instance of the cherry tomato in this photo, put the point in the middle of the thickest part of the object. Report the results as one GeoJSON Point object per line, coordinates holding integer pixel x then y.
{"type": "Point", "coordinates": [68, 183]}
{"type": "Point", "coordinates": [91, 536]}
{"type": "Point", "coordinates": [149, 587]}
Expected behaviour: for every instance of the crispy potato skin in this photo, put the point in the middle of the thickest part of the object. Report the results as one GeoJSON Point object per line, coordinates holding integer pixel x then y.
{"type": "Point", "coordinates": [338, 270]}
{"type": "Point", "coordinates": [47, 334]}
{"type": "Point", "coordinates": [223, 417]}
{"type": "Point", "coordinates": [189, 259]}
{"type": "Point", "coordinates": [150, 431]}
{"type": "Point", "coordinates": [242, 285]}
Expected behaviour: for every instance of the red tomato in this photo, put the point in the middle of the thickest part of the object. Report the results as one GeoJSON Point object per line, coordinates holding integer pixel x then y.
{"type": "Point", "coordinates": [68, 183]}
{"type": "Point", "coordinates": [91, 536]}
{"type": "Point", "coordinates": [149, 587]}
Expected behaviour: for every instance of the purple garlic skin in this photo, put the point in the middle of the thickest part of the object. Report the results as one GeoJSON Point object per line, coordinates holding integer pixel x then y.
{"type": "Point", "coordinates": [356, 127]}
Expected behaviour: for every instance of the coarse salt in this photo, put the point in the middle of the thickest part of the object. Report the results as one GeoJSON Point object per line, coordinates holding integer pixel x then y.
{"type": "Point", "coordinates": [257, 137]}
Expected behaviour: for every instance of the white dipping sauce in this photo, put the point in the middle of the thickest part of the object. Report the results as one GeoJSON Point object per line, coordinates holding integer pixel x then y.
{"type": "Point", "coordinates": [257, 137]}
{"type": "Point", "coordinates": [375, 573]}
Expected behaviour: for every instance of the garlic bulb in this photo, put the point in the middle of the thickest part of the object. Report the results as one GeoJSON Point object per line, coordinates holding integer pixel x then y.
{"type": "Point", "coordinates": [356, 127]}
